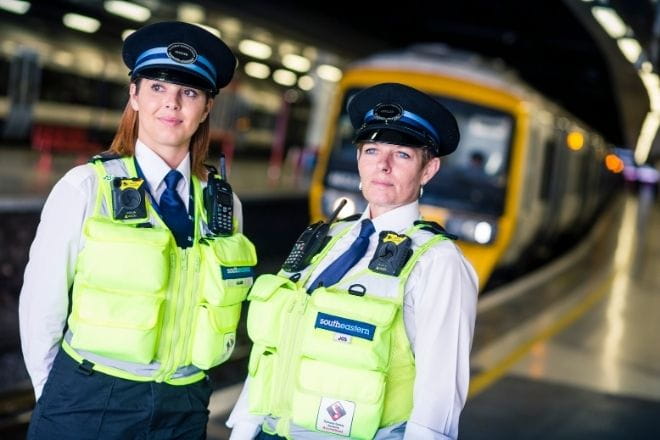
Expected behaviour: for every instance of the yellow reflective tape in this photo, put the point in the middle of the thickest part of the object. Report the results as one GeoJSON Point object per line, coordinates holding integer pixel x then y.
{"type": "Point", "coordinates": [130, 183]}
{"type": "Point", "coordinates": [394, 238]}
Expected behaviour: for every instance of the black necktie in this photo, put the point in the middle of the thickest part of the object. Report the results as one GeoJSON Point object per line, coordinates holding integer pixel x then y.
{"type": "Point", "coordinates": [174, 212]}
{"type": "Point", "coordinates": [338, 268]}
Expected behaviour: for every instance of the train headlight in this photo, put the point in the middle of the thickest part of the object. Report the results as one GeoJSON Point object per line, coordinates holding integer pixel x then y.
{"type": "Point", "coordinates": [471, 230]}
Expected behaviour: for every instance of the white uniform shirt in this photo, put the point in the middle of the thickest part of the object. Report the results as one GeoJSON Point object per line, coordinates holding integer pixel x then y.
{"type": "Point", "coordinates": [439, 313]}
{"type": "Point", "coordinates": [44, 299]}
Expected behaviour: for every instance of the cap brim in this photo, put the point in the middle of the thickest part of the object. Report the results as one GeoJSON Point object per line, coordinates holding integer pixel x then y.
{"type": "Point", "coordinates": [389, 135]}
{"type": "Point", "coordinates": [176, 76]}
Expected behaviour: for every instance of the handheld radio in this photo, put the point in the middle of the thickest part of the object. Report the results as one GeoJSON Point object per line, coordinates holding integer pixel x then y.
{"type": "Point", "coordinates": [310, 242]}
{"type": "Point", "coordinates": [219, 202]}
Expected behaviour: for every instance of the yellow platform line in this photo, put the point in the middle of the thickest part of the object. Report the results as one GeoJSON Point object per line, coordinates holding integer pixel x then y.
{"type": "Point", "coordinates": [483, 380]}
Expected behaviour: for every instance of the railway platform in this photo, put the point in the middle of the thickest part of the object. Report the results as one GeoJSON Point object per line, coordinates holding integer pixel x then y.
{"type": "Point", "coordinates": [569, 351]}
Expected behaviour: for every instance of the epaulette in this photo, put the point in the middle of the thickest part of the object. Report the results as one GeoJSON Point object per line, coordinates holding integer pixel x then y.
{"type": "Point", "coordinates": [350, 218]}
{"type": "Point", "coordinates": [105, 156]}
{"type": "Point", "coordinates": [434, 228]}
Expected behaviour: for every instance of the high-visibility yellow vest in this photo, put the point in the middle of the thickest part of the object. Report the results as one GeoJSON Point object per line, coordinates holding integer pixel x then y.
{"type": "Point", "coordinates": [338, 360]}
{"type": "Point", "coordinates": [144, 309]}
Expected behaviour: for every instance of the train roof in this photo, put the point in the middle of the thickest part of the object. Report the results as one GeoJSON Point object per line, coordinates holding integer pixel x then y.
{"type": "Point", "coordinates": [442, 59]}
{"type": "Point", "coordinates": [468, 66]}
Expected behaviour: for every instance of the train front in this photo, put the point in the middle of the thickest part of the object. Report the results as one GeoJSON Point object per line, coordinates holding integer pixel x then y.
{"type": "Point", "coordinates": [473, 195]}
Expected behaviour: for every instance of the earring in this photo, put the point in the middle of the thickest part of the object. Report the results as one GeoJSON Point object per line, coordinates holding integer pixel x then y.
{"type": "Point", "coordinates": [360, 186]}
{"type": "Point", "coordinates": [421, 191]}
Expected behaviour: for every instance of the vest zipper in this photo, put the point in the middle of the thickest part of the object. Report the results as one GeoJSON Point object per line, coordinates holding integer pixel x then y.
{"type": "Point", "coordinates": [169, 363]}
{"type": "Point", "coordinates": [292, 340]}
{"type": "Point", "coordinates": [189, 309]}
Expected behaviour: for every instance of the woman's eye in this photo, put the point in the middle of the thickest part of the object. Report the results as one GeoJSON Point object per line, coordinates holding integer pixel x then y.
{"type": "Point", "coordinates": [369, 151]}
{"type": "Point", "coordinates": [156, 87]}
{"type": "Point", "coordinates": [403, 155]}
{"type": "Point", "coordinates": [191, 93]}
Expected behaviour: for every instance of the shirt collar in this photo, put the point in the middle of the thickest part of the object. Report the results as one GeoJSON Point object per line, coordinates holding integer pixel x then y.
{"type": "Point", "coordinates": [155, 168]}
{"type": "Point", "coordinates": [397, 220]}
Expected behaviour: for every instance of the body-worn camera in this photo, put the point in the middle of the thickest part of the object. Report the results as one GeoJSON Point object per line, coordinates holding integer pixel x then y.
{"type": "Point", "coordinates": [392, 253]}
{"type": "Point", "coordinates": [128, 199]}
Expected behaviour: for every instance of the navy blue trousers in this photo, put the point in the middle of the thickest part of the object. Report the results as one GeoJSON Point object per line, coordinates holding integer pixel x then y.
{"type": "Point", "coordinates": [77, 404]}
{"type": "Point", "coordinates": [265, 436]}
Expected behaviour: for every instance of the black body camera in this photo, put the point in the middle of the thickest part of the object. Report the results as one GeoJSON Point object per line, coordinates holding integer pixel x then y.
{"type": "Point", "coordinates": [219, 202]}
{"type": "Point", "coordinates": [392, 253]}
{"type": "Point", "coordinates": [128, 199]}
{"type": "Point", "coordinates": [310, 242]}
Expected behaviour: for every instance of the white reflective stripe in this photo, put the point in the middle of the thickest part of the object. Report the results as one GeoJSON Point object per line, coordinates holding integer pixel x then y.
{"type": "Point", "coordinates": [142, 370]}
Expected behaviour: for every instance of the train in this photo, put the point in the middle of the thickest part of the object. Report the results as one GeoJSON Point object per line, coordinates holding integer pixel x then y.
{"type": "Point", "coordinates": [527, 178]}
{"type": "Point", "coordinates": [64, 93]}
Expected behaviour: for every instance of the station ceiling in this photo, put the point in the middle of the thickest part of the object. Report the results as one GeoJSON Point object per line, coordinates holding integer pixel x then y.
{"type": "Point", "coordinates": [554, 45]}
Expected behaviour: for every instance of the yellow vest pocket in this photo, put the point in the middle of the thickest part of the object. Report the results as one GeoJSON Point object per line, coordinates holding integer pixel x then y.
{"type": "Point", "coordinates": [349, 330]}
{"type": "Point", "coordinates": [116, 325]}
{"type": "Point", "coordinates": [124, 257]}
{"type": "Point", "coordinates": [228, 264]}
{"type": "Point", "coordinates": [260, 369]}
{"type": "Point", "coordinates": [214, 334]}
{"type": "Point", "coordinates": [270, 299]}
{"type": "Point", "coordinates": [338, 400]}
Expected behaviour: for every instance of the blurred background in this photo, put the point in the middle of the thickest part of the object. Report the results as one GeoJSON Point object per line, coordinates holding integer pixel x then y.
{"type": "Point", "coordinates": [552, 193]}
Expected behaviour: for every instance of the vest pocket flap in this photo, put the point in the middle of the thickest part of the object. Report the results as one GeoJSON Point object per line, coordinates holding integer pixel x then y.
{"type": "Point", "coordinates": [360, 308]}
{"type": "Point", "coordinates": [114, 309]}
{"type": "Point", "coordinates": [330, 380]}
{"type": "Point", "coordinates": [267, 284]}
{"type": "Point", "coordinates": [235, 250]}
{"type": "Point", "coordinates": [104, 229]}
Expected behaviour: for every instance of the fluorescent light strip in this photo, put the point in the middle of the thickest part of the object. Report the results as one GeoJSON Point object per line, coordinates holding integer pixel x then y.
{"type": "Point", "coordinates": [81, 23]}
{"type": "Point", "coordinates": [15, 6]}
{"type": "Point", "coordinates": [128, 10]}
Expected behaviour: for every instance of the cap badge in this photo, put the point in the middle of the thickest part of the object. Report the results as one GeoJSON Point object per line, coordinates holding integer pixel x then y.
{"type": "Point", "coordinates": [388, 112]}
{"type": "Point", "coordinates": [182, 53]}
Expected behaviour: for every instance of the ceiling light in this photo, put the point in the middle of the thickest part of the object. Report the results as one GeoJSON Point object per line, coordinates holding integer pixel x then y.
{"type": "Point", "coordinates": [306, 82]}
{"type": "Point", "coordinates": [128, 10]}
{"type": "Point", "coordinates": [296, 62]}
{"type": "Point", "coordinates": [191, 13]}
{"type": "Point", "coordinates": [630, 48]}
{"type": "Point", "coordinates": [126, 33]}
{"type": "Point", "coordinates": [15, 6]}
{"type": "Point", "coordinates": [610, 21]}
{"type": "Point", "coordinates": [210, 29]}
{"type": "Point", "coordinates": [257, 70]}
{"type": "Point", "coordinates": [255, 49]}
{"type": "Point", "coordinates": [328, 72]}
{"type": "Point", "coordinates": [284, 77]}
{"type": "Point", "coordinates": [81, 23]}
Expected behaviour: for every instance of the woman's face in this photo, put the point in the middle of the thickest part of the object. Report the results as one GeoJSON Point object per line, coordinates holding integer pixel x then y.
{"type": "Point", "coordinates": [391, 175]}
{"type": "Point", "coordinates": [168, 113]}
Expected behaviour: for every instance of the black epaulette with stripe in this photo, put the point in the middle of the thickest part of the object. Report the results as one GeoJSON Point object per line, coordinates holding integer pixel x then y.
{"type": "Point", "coordinates": [435, 228]}
{"type": "Point", "coordinates": [105, 156]}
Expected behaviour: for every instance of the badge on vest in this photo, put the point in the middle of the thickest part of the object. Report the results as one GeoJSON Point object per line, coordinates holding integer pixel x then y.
{"type": "Point", "coordinates": [392, 253]}
{"type": "Point", "coordinates": [237, 275]}
{"type": "Point", "coordinates": [128, 199]}
{"type": "Point", "coordinates": [335, 416]}
{"type": "Point", "coordinates": [349, 327]}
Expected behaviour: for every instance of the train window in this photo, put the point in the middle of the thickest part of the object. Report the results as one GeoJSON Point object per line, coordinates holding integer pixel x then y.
{"type": "Point", "coordinates": [548, 169]}
{"type": "Point", "coordinates": [471, 179]}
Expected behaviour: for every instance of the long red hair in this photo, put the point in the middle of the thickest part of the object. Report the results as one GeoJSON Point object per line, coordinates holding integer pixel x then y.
{"type": "Point", "coordinates": [127, 134]}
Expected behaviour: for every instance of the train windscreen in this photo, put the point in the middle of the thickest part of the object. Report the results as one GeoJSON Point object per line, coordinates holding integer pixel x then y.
{"type": "Point", "coordinates": [472, 179]}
